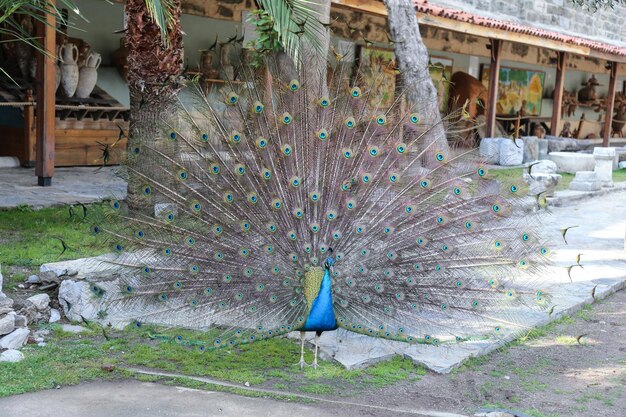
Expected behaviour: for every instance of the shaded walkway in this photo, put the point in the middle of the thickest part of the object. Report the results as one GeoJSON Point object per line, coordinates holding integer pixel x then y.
{"type": "Point", "coordinates": [18, 187]}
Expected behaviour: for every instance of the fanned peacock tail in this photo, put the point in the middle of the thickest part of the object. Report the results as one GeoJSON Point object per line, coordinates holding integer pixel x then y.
{"type": "Point", "coordinates": [254, 189]}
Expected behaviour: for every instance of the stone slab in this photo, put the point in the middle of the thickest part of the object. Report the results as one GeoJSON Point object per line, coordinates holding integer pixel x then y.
{"type": "Point", "coordinates": [572, 162]}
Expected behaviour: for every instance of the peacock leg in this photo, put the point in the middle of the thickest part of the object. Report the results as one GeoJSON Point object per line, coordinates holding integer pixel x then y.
{"type": "Point", "coordinates": [317, 340]}
{"type": "Point", "coordinates": [302, 362]}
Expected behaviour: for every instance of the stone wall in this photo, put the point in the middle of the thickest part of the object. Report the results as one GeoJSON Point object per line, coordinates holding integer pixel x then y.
{"type": "Point", "coordinates": [559, 15]}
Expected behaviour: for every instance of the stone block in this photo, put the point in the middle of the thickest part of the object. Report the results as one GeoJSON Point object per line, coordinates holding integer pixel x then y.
{"type": "Point", "coordinates": [11, 355]}
{"type": "Point", "coordinates": [604, 165]}
{"type": "Point", "coordinates": [1, 293]}
{"type": "Point", "coordinates": [489, 150]}
{"type": "Point", "coordinates": [545, 166]}
{"type": "Point", "coordinates": [40, 301]}
{"type": "Point", "coordinates": [542, 183]}
{"type": "Point", "coordinates": [573, 162]}
{"type": "Point", "coordinates": [585, 181]}
{"type": "Point", "coordinates": [556, 144]}
{"type": "Point", "coordinates": [14, 340]}
{"type": "Point", "coordinates": [622, 165]}
{"type": "Point", "coordinates": [511, 152]}
{"type": "Point", "coordinates": [542, 145]}
{"type": "Point", "coordinates": [531, 148]}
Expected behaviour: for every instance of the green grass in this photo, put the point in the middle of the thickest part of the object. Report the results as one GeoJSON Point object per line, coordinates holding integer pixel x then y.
{"type": "Point", "coordinates": [60, 362]}
{"type": "Point", "coordinates": [536, 413]}
{"type": "Point", "coordinates": [29, 237]}
{"type": "Point", "coordinates": [70, 358]}
{"type": "Point", "coordinates": [508, 175]}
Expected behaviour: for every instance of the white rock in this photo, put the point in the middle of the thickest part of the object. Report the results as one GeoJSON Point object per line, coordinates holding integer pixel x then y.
{"type": "Point", "coordinates": [1, 279]}
{"type": "Point", "coordinates": [11, 355]}
{"type": "Point", "coordinates": [40, 301]}
{"type": "Point", "coordinates": [9, 162]}
{"type": "Point", "coordinates": [573, 162]}
{"type": "Point", "coordinates": [14, 340]}
{"type": "Point", "coordinates": [511, 152]}
{"type": "Point", "coordinates": [7, 324]}
{"type": "Point", "coordinates": [77, 300]}
{"type": "Point", "coordinates": [59, 268]}
{"type": "Point", "coordinates": [622, 165]}
{"type": "Point", "coordinates": [544, 167]}
{"type": "Point", "coordinates": [55, 315]}
{"type": "Point", "coordinates": [490, 150]}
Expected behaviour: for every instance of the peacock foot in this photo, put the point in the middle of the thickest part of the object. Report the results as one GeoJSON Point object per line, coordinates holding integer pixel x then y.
{"type": "Point", "coordinates": [302, 364]}
{"type": "Point", "coordinates": [314, 365]}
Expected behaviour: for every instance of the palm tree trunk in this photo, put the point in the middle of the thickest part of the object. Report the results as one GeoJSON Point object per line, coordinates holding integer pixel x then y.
{"type": "Point", "coordinates": [154, 69]}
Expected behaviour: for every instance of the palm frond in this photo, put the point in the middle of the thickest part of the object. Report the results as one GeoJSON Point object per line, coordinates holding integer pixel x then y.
{"type": "Point", "coordinates": [294, 20]}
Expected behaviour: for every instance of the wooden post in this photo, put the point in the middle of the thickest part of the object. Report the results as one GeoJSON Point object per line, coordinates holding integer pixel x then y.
{"type": "Point", "coordinates": [494, 76]}
{"type": "Point", "coordinates": [46, 85]}
{"type": "Point", "coordinates": [561, 63]}
{"type": "Point", "coordinates": [29, 131]}
{"type": "Point", "coordinates": [610, 105]}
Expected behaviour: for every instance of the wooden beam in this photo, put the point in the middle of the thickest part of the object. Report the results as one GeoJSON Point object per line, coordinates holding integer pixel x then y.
{"type": "Point", "coordinates": [561, 64]}
{"type": "Point", "coordinates": [492, 93]}
{"type": "Point", "coordinates": [378, 8]}
{"type": "Point", "coordinates": [30, 140]}
{"type": "Point", "coordinates": [46, 86]}
{"type": "Point", "coordinates": [610, 105]}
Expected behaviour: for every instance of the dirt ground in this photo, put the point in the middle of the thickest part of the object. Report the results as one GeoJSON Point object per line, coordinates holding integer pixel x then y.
{"type": "Point", "coordinates": [553, 375]}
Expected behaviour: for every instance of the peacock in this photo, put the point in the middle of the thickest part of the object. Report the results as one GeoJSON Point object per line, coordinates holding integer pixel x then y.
{"type": "Point", "coordinates": [290, 200]}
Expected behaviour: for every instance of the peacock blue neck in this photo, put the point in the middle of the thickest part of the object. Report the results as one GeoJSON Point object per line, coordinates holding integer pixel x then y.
{"type": "Point", "coordinates": [321, 314]}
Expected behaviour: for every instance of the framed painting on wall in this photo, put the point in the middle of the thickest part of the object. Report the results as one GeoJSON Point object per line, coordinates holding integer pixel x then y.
{"type": "Point", "coordinates": [377, 71]}
{"type": "Point", "coordinates": [440, 70]}
{"type": "Point", "coordinates": [516, 88]}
